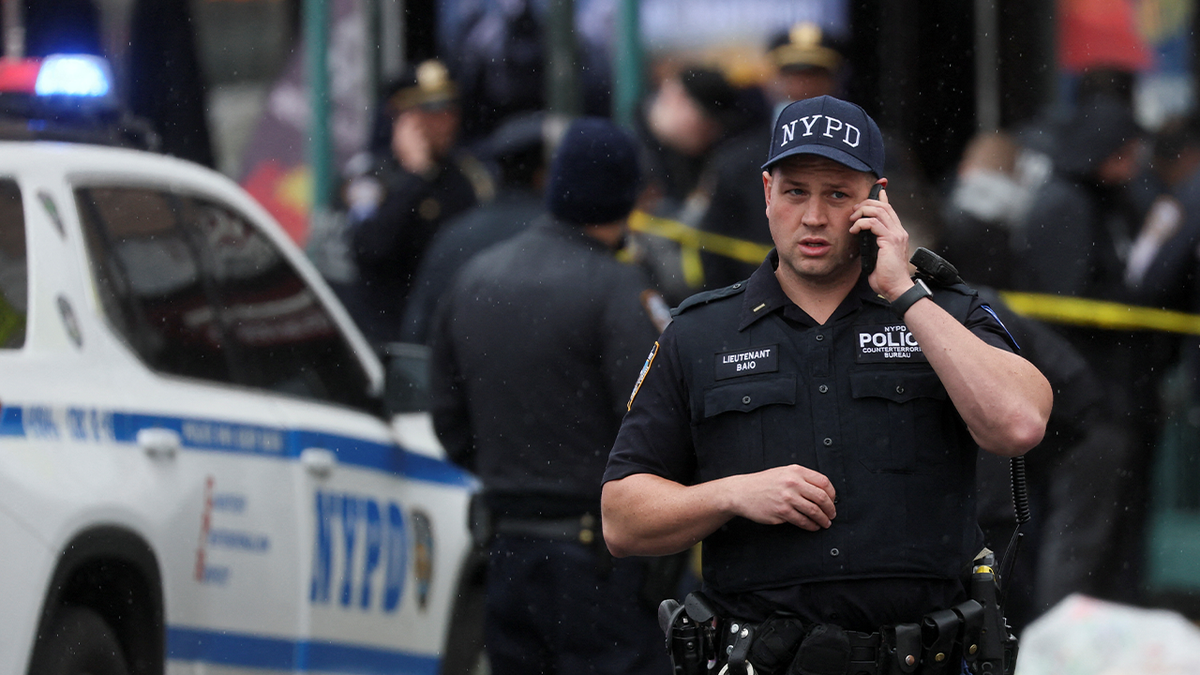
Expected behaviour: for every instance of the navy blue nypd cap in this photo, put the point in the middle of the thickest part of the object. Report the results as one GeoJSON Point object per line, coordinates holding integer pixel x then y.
{"type": "Point", "coordinates": [831, 128]}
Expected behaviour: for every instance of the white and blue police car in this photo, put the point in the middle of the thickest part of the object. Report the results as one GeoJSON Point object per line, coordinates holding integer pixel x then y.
{"type": "Point", "coordinates": [197, 472]}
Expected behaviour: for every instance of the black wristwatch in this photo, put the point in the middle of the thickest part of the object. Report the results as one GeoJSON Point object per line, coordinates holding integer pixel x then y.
{"type": "Point", "coordinates": [908, 298]}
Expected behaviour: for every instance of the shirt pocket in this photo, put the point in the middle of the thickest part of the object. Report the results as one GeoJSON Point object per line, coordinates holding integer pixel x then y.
{"type": "Point", "coordinates": [903, 419]}
{"type": "Point", "coordinates": [729, 433]}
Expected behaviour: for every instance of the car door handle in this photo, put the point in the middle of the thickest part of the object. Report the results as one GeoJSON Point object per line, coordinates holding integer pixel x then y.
{"type": "Point", "coordinates": [159, 443]}
{"type": "Point", "coordinates": [318, 461]}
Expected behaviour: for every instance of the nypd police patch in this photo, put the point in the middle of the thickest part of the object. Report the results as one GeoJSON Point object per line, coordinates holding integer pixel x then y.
{"type": "Point", "coordinates": [892, 343]}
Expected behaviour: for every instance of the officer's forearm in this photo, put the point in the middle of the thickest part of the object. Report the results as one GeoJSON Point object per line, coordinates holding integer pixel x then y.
{"type": "Point", "coordinates": [644, 514]}
{"type": "Point", "coordinates": [1003, 398]}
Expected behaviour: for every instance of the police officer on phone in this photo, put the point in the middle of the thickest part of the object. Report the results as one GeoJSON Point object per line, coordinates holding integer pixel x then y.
{"type": "Point", "coordinates": [400, 205]}
{"type": "Point", "coordinates": [816, 427]}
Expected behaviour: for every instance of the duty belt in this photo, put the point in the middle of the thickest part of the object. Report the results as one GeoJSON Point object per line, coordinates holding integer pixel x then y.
{"type": "Point", "coordinates": [701, 643]}
{"type": "Point", "coordinates": [584, 529]}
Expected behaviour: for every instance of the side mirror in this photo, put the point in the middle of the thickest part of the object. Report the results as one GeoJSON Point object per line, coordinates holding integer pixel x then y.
{"type": "Point", "coordinates": [406, 386]}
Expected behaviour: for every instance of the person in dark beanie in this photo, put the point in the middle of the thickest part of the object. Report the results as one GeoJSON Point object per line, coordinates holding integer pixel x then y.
{"type": "Point", "coordinates": [535, 349]}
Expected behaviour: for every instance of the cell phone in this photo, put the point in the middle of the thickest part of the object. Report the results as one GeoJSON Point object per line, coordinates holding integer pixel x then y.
{"type": "Point", "coordinates": [868, 245]}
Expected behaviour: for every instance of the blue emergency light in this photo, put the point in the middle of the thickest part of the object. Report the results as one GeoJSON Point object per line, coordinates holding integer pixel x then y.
{"type": "Point", "coordinates": [73, 75]}
{"type": "Point", "coordinates": [67, 97]}
{"type": "Point", "coordinates": [59, 82]}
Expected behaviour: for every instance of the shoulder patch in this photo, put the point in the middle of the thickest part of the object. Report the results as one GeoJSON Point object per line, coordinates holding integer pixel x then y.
{"type": "Point", "coordinates": [709, 296]}
{"type": "Point", "coordinates": [642, 375]}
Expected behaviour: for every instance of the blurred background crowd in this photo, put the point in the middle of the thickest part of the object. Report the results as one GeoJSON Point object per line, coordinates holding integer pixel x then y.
{"type": "Point", "coordinates": [1051, 151]}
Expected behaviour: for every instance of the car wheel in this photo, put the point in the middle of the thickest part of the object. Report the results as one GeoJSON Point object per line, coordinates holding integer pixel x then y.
{"type": "Point", "coordinates": [80, 642]}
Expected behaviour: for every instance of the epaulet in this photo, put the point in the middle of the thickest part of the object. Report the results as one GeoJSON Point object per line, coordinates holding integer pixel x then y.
{"type": "Point", "coordinates": [709, 296]}
{"type": "Point", "coordinates": [958, 286]}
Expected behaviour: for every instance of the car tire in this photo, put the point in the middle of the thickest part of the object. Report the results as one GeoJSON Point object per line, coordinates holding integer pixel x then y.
{"type": "Point", "coordinates": [79, 642]}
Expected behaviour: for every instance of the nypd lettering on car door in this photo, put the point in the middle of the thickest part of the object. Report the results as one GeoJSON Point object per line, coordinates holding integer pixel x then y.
{"type": "Point", "coordinates": [361, 555]}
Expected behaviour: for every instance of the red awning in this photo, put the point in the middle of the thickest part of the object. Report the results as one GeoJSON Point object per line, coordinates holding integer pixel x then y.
{"type": "Point", "coordinates": [1095, 33]}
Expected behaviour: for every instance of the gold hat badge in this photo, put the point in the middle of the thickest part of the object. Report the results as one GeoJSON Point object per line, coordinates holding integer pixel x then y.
{"type": "Point", "coordinates": [433, 87]}
{"type": "Point", "coordinates": [804, 49]}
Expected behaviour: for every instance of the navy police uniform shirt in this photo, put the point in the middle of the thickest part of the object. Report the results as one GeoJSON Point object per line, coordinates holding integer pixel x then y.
{"type": "Point", "coordinates": [533, 349]}
{"type": "Point", "coordinates": [744, 380]}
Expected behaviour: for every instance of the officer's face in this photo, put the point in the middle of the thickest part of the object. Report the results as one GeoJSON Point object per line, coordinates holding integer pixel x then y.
{"type": "Point", "coordinates": [809, 202]}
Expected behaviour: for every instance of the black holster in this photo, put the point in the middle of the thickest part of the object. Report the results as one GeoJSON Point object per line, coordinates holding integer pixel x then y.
{"type": "Point", "coordinates": [997, 653]}
{"type": "Point", "coordinates": [691, 630]}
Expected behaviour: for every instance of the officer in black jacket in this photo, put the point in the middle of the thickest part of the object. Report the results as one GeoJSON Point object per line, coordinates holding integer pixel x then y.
{"type": "Point", "coordinates": [535, 349]}
{"type": "Point", "coordinates": [421, 183]}
{"type": "Point", "coordinates": [816, 426]}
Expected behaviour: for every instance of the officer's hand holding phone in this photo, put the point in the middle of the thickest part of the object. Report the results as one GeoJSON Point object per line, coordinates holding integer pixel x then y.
{"type": "Point", "coordinates": [891, 276]}
{"type": "Point", "coordinates": [868, 244]}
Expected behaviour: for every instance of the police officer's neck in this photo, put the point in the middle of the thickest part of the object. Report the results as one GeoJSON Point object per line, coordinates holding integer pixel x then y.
{"type": "Point", "coordinates": [819, 297]}
{"type": "Point", "coordinates": [611, 234]}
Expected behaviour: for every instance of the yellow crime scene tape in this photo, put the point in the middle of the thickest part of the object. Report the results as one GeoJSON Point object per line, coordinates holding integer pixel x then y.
{"type": "Point", "coordinates": [691, 241]}
{"type": "Point", "coordinates": [1042, 306]}
{"type": "Point", "coordinates": [1100, 313]}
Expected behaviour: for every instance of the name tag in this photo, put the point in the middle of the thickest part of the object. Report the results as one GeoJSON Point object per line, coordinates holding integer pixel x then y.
{"type": "Point", "coordinates": [748, 362]}
{"type": "Point", "coordinates": [888, 344]}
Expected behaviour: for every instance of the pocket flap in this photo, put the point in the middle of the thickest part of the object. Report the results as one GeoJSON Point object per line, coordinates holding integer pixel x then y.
{"type": "Point", "coordinates": [900, 386]}
{"type": "Point", "coordinates": [746, 395]}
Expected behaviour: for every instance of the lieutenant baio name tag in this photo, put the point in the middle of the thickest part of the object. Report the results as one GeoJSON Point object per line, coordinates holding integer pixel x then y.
{"type": "Point", "coordinates": [893, 343]}
{"type": "Point", "coordinates": [748, 362]}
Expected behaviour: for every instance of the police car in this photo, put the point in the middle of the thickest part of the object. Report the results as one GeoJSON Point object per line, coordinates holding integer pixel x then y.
{"type": "Point", "coordinates": [197, 472]}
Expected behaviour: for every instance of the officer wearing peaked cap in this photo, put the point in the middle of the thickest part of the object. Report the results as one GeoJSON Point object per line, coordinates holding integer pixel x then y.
{"type": "Point", "coordinates": [816, 426]}
{"type": "Point", "coordinates": [396, 209]}
{"type": "Point", "coordinates": [807, 62]}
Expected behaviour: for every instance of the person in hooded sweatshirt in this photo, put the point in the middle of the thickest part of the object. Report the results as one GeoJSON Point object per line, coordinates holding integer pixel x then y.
{"type": "Point", "coordinates": [1073, 242]}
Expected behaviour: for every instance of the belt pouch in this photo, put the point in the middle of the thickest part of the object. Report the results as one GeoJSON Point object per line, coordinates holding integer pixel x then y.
{"type": "Point", "coordinates": [971, 613]}
{"type": "Point", "coordinates": [824, 651]}
{"type": "Point", "coordinates": [778, 639]}
{"type": "Point", "coordinates": [939, 632]}
{"type": "Point", "coordinates": [866, 650]}
{"type": "Point", "coordinates": [903, 648]}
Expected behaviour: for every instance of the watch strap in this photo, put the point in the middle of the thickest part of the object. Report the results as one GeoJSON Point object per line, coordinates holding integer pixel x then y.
{"type": "Point", "coordinates": [908, 298]}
